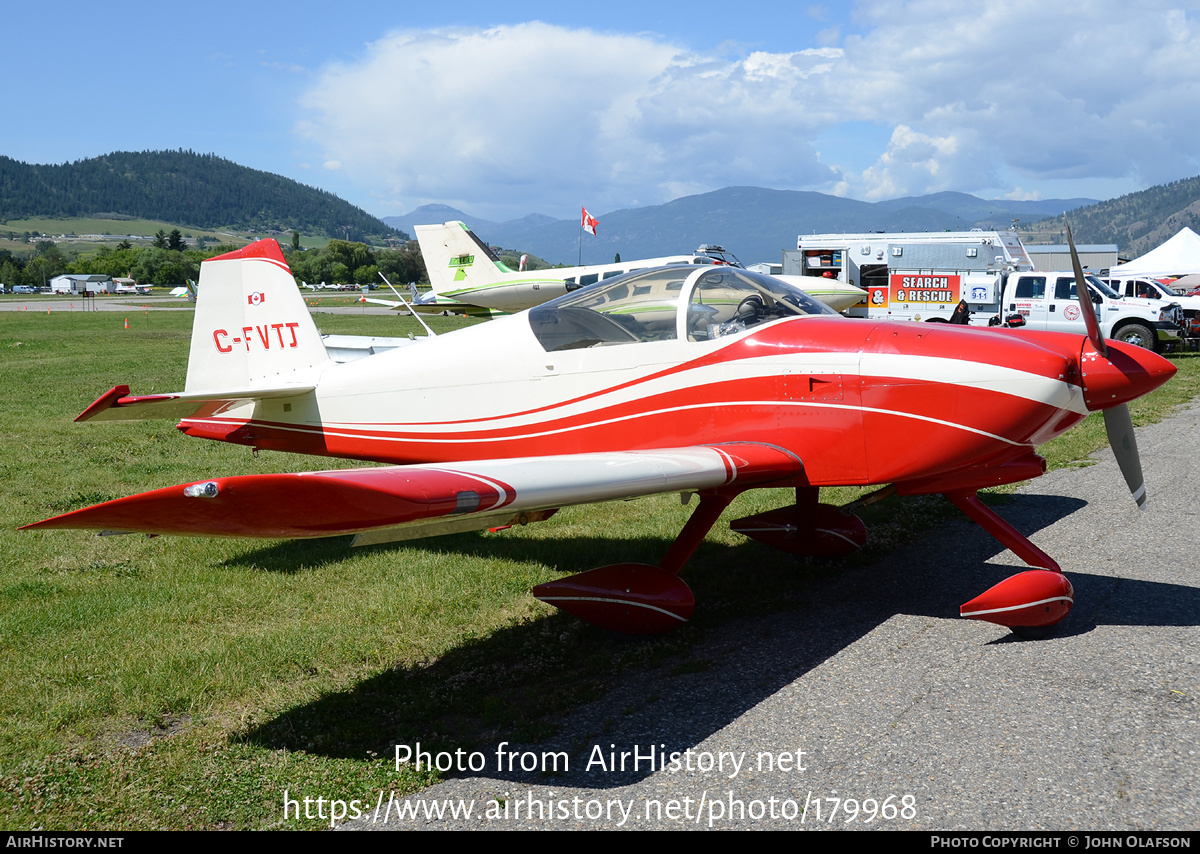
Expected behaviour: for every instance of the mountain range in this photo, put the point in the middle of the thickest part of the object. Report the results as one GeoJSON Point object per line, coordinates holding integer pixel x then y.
{"type": "Point", "coordinates": [755, 224]}
{"type": "Point", "coordinates": [206, 191]}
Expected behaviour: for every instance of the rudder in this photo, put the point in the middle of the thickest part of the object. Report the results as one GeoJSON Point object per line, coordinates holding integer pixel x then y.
{"type": "Point", "coordinates": [252, 326]}
{"type": "Point", "coordinates": [456, 259]}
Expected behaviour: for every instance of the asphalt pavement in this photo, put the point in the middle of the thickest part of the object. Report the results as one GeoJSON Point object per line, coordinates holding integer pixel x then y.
{"type": "Point", "coordinates": [877, 702]}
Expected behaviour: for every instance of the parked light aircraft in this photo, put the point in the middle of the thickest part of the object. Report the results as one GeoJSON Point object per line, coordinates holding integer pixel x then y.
{"type": "Point", "coordinates": [188, 290]}
{"type": "Point", "coordinates": [705, 380]}
{"type": "Point", "coordinates": [467, 277]}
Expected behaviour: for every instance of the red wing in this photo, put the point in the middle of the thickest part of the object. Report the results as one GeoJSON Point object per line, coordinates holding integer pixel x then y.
{"type": "Point", "coordinates": [429, 499]}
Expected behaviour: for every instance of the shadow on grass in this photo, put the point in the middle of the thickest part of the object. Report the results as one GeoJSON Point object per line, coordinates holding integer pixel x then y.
{"type": "Point", "coordinates": [555, 684]}
{"type": "Point", "coordinates": [288, 557]}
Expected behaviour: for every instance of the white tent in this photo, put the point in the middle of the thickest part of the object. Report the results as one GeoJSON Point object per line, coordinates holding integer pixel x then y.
{"type": "Point", "coordinates": [1177, 257]}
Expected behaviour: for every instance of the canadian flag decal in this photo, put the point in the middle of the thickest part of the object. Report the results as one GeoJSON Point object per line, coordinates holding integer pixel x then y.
{"type": "Point", "coordinates": [256, 298]}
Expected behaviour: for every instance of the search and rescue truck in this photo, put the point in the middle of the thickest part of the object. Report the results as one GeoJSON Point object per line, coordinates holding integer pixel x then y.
{"type": "Point", "coordinates": [927, 276]}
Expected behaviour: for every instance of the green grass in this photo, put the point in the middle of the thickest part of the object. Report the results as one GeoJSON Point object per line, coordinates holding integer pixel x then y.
{"type": "Point", "coordinates": [176, 683]}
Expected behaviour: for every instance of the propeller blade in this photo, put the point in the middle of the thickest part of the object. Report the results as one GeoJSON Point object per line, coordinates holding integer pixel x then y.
{"type": "Point", "coordinates": [1085, 298]}
{"type": "Point", "coordinates": [1117, 421]}
{"type": "Point", "coordinates": [1119, 425]}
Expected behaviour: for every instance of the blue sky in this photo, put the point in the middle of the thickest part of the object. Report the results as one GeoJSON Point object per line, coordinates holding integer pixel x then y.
{"type": "Point", "coordinates": [507, 109]}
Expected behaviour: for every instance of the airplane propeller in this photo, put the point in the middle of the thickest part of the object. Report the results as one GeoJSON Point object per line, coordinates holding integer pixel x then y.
{"type": "Point", "coordinates": [1118, 423]}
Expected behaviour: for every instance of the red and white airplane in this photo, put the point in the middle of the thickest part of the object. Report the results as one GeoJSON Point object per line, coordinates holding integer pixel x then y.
{"type": "Point", "coordinates": [709, 380]}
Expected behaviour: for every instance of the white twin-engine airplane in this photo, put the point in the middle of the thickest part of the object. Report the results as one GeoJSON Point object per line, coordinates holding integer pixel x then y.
{"type": "Point", "coordinates": [693, 379]}
{"type": "Point", "coordinates": [466, 276]}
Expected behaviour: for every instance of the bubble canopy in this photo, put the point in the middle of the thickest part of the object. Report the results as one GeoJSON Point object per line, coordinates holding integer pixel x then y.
{"type": "Point", "coordinates": [668, 303]}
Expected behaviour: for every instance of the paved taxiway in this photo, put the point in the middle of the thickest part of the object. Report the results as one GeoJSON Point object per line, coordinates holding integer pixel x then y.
{"type": "Point", "coordinates": [889, 694]}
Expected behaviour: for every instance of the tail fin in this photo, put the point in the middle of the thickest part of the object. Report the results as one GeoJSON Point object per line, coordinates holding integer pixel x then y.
{"type": "Point", "coordinates": [456, 259]}
{"type": "Point", "coordinates": [252, 327]}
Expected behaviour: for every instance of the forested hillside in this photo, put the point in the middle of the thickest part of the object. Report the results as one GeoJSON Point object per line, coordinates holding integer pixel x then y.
{"type": "Point", "coordinates": [200, 190]}
{"type": "Point", "coordinates": [1136, 223]}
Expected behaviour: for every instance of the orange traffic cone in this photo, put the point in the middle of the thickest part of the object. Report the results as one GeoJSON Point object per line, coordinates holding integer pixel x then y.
{"type": "Point", "coordinates": [127, 323]}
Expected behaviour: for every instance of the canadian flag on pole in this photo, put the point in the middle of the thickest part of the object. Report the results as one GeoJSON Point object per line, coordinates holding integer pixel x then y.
{"type": "Point", "coordinates": [589, 223]}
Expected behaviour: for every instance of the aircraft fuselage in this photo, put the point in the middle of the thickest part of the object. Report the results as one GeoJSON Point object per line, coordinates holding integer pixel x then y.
{"type": "Point", "coordinates": [859, 402]}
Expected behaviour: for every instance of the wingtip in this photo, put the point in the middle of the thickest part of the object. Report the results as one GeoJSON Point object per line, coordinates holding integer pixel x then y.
{"type": "Point", "coordinates": [103, 402]}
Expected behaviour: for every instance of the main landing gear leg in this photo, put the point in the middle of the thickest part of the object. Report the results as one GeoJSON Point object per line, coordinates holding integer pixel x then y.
{"type": "Point", "coordinates": [712, 505]}
{"type": "Point", "coordinates": [1028, 603]}
{"type": "Point", "coordinates": [636, 598]}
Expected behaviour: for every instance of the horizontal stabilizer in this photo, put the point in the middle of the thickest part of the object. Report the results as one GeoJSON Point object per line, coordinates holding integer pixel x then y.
{"type": "Point", "coordinates": [117, 404]}
{"type": "Point", "coordinates": [328, 503]}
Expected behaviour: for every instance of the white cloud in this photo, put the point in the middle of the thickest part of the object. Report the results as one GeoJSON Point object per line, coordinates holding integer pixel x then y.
{"type": "Point", "coordinates": [912, 159]}
{"type": "Point", "coordinates": [532, 116]}
{"type": "Point", "coordinates": [1017, 194]}
{"type": "Point", "coordinates": [1075, 91]}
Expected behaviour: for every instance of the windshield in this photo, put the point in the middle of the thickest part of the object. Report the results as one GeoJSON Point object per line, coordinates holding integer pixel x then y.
{"type": "Point", "coordinates": [1101, 287]}
{"type": "Point", "coordinates": [726, 301]}
{"type": "Point", "coordinates": [1064, 288]}
{"type": "Point", "coordinates": [622, 310]}
{"type": "Point", "coordinates": [648, 306]}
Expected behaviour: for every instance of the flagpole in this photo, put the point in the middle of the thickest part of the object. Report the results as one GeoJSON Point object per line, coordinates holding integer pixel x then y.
{"type": "Point", "coordinates": [579, 263]}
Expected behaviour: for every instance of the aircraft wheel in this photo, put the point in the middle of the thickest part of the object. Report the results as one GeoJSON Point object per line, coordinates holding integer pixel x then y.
{"type": "Point", "coordinates": [1136, 333]}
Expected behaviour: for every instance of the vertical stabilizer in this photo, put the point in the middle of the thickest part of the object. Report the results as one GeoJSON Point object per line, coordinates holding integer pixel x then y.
{"type": "Point", "coordinates": [252, 326]}
{"type": "Point", "coordinates": [456, 259]}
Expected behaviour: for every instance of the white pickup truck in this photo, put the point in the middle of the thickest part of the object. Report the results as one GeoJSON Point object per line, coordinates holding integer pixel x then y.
{"type": "Point", "coordinates": [1146, 287]}
{"type": "Point", "coordinates": [1048, 301]}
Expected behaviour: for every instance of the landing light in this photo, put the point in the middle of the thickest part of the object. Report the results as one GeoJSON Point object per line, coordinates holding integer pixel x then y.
{"type": "Point", "coordinates": [201, 490]}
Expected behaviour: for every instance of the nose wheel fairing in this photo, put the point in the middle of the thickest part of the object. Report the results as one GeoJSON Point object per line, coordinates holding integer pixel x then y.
{"type": "Point", "coordinates": [1036, 599]}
